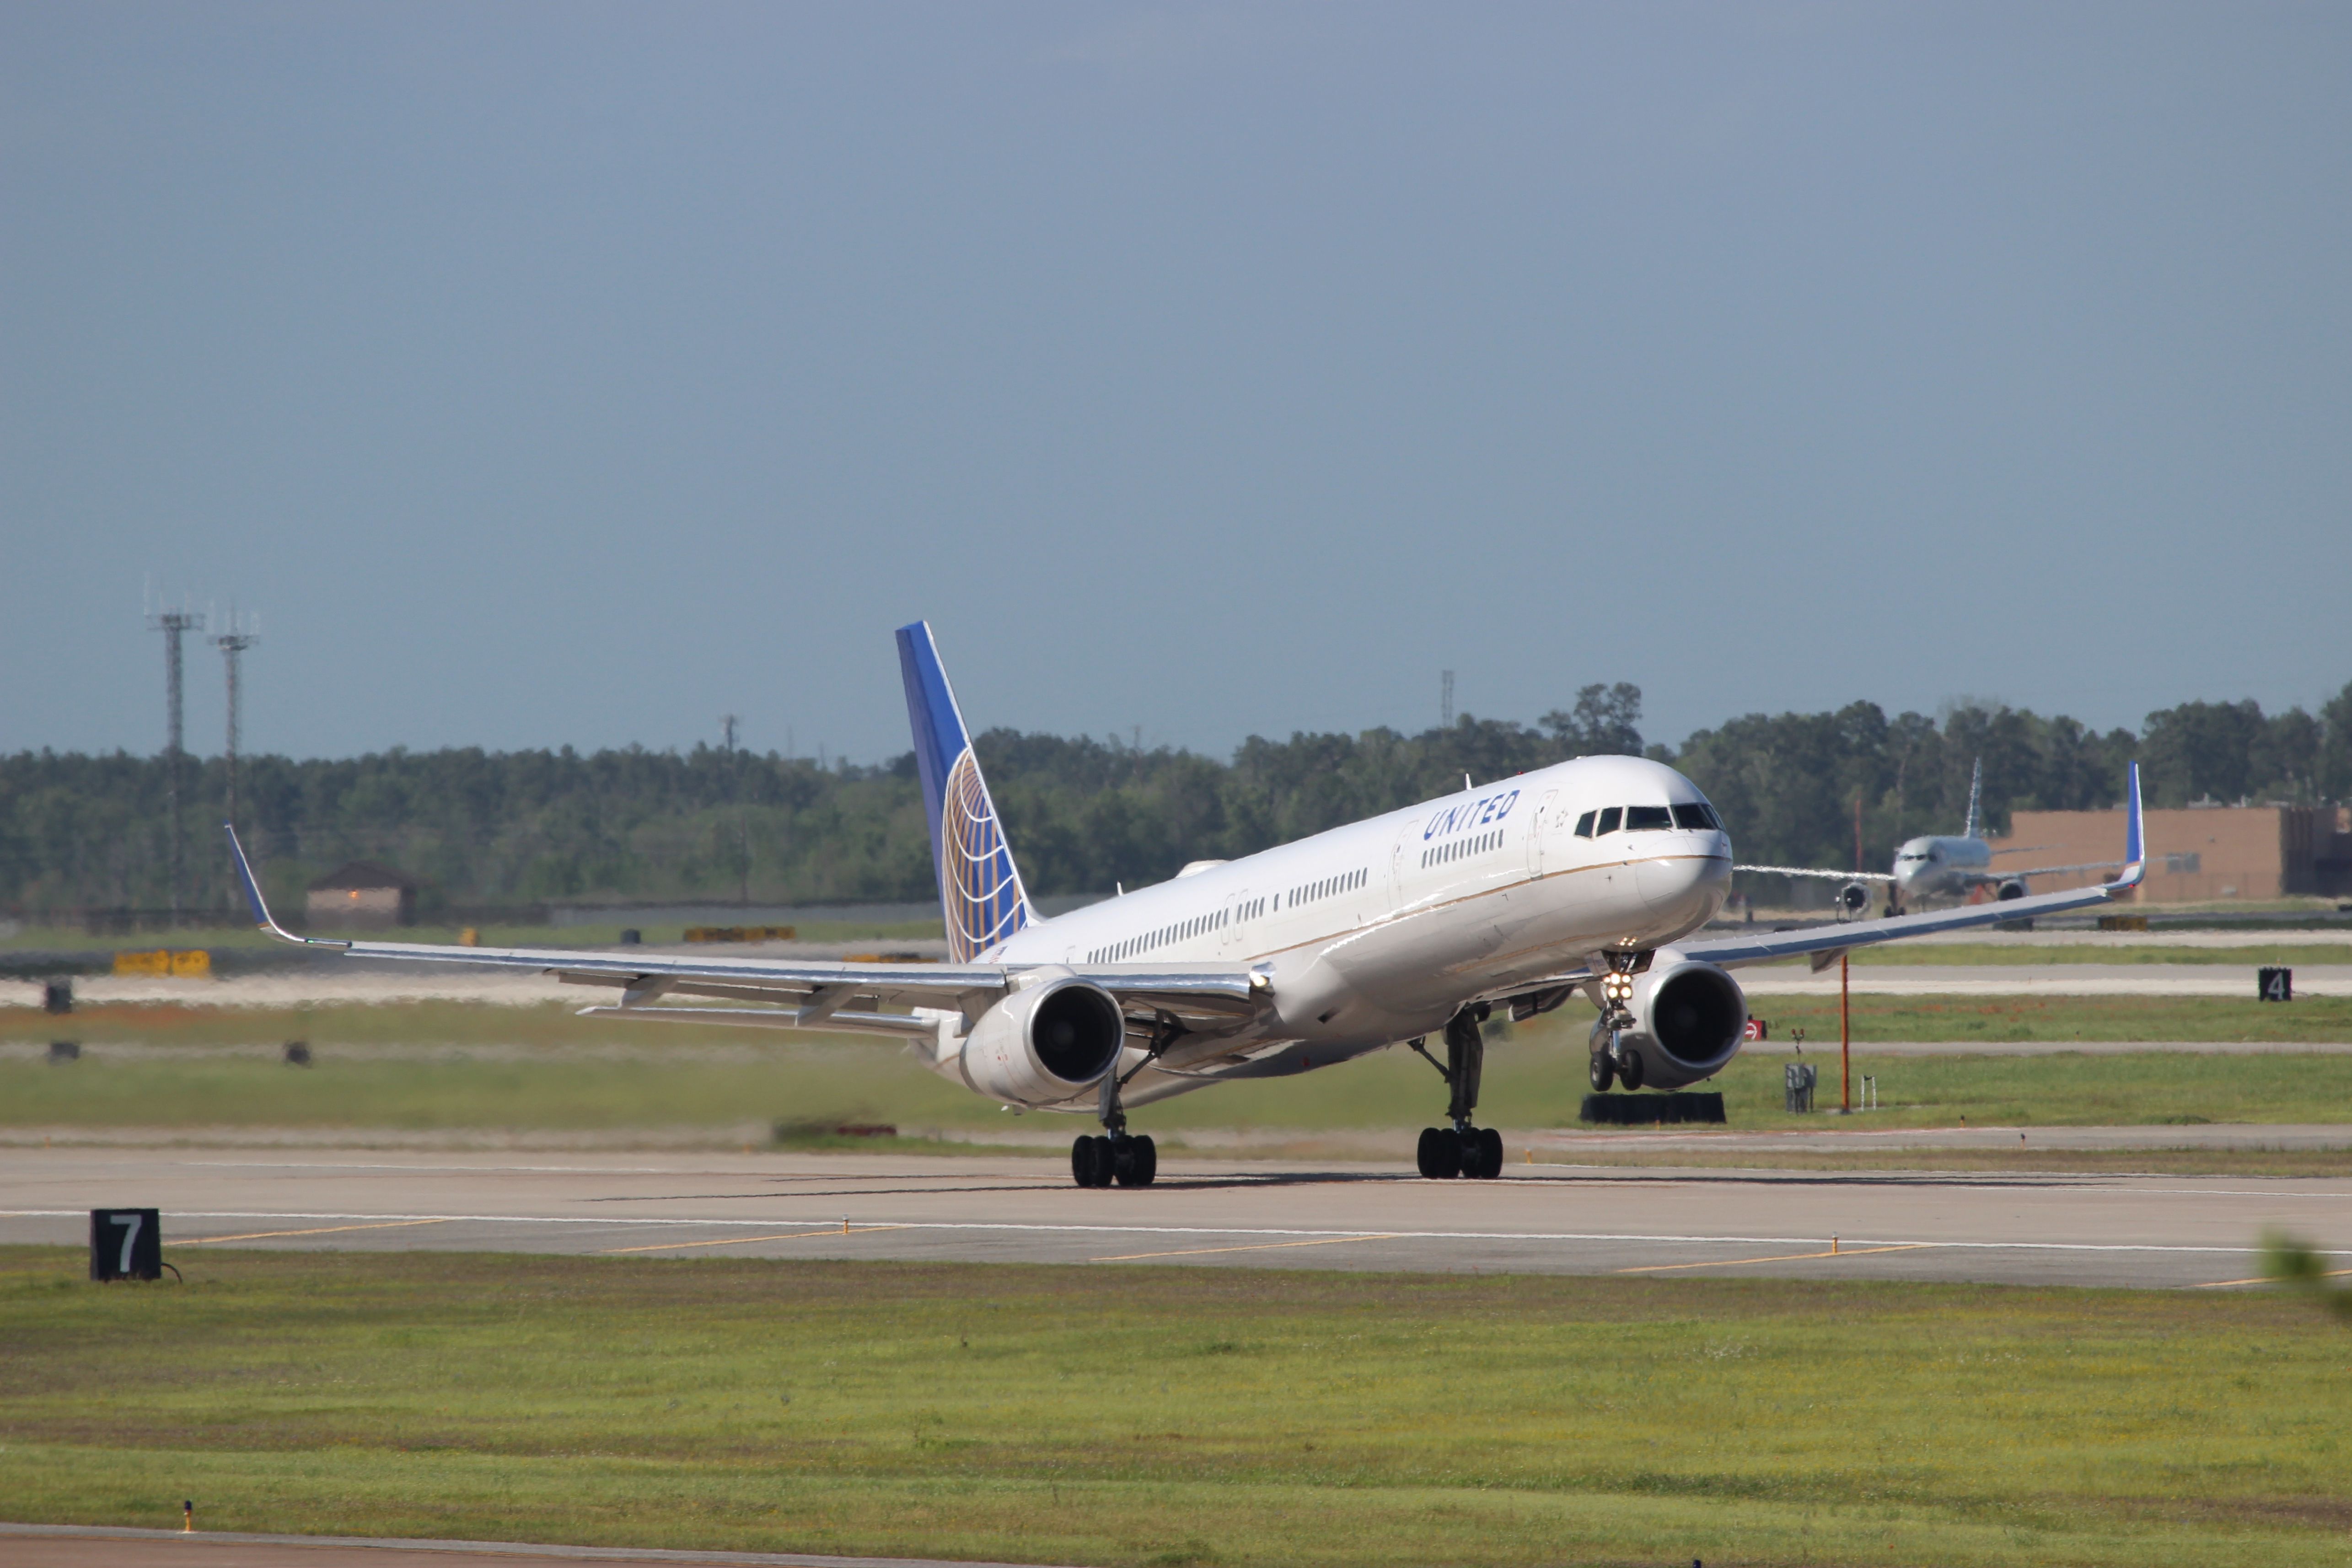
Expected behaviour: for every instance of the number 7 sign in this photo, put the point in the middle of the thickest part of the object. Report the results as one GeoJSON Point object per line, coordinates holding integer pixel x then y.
{"type": "Point", "coordinates": [126, 1244]}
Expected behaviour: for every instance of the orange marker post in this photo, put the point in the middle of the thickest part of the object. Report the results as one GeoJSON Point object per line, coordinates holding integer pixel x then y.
{"type": "Point", "coordinates": [1845, 1042]}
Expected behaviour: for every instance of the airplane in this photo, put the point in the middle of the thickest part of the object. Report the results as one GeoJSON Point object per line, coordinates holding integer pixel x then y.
{"type": "Point", "coordinates": [1938, 866]}
{"type": "Point", "coordinates": [1592, 876]}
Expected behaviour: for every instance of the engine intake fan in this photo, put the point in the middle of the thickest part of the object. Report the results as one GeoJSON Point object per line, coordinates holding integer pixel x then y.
{"type": "Point", "coordinates": [1047, 1043]}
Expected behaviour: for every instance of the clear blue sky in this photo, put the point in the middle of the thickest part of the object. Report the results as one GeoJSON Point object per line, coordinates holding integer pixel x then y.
{"type": "Point", "coordinates": [550, 374]}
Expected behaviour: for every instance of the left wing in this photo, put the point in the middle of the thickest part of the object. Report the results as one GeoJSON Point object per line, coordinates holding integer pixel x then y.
{"type": "Point", "coordinates": [814, 994]}
{"type": "Point", "coordinates": [1981, 877]}
{"type": "Point", "coordinates": [1815, 871]}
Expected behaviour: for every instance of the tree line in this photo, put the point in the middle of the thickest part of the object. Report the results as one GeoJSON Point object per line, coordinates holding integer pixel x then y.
{"type": "Point", "coordinates": [489, 830]}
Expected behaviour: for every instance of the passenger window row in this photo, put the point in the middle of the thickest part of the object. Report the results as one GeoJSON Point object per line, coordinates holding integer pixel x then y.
{"type": "Point", "coordinates": [1461, 846]}
{"type": "Point", "coordinates": [1198, 925]}
{"type": "Point", "coordinates": [1307, 893]}
{"type": "Point", "coordinates": [1689, 817]}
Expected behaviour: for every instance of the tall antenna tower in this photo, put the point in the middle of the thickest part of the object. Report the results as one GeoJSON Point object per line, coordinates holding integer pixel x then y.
{"type": "Point", "coordinates": [242, 634]}
{"type": "Point", "coordinates": [1446, 698]}
{"type": "Point", "coordinates": [727, 722]}
{"type": "Point", "coordinates": [171, 624]}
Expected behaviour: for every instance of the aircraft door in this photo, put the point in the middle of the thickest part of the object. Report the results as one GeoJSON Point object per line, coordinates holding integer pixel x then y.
{"type": "Point", "coordinates": [1539, 829]}
{"type": "Point", "coordinates": [1236, 917]}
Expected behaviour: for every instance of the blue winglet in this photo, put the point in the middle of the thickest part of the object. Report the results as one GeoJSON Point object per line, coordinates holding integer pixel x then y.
{"type": "Point", "coordinates": [2135, 839]}
{"type": "Point", "coordinates": [254, 902]}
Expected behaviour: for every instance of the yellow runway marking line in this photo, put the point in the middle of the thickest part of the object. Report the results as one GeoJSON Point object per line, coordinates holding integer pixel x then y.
{"type": "Point", "coordinates": [1259, 1247]}
{"type": "Point", "coordinates": [2266, 1279]}
{"type": "Point", "coordinates": [321, 1230]}
{"type": "Point", "coordinates": [1780, 1258]}
{"type": "Point", "coordinates": [743, 1240]}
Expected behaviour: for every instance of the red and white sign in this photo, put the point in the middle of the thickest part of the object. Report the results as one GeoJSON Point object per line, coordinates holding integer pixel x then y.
{"type": "Point", "coordinates": [1757, 1029]}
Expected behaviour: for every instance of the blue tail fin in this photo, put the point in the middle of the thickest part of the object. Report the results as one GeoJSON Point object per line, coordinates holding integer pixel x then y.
{"type": "Point", "coordinates": [979, 887]}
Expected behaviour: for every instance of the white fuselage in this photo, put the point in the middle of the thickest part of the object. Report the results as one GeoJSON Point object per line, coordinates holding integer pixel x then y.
{"type": "Point", "coordinates": [1942, 866]}
{"type": "Point", "coordinates": [1378, 931]}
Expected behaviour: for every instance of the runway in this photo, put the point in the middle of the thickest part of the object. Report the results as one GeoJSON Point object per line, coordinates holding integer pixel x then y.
{"type": "Point", "coordinates": [2022, 1229]}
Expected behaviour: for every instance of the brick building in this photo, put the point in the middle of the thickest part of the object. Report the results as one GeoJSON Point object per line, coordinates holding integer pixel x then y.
{"type": "Point", "coordinates": [2196, 855]}
{"type": "Point", "coordinates": [362, 893]}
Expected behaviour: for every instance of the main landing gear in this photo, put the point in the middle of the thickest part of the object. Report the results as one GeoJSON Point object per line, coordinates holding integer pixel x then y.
{"type": "Point", "coordinates": [1460, 1150]}
{"type": "Point", "coordinates": [1113, 1155]}
{"type": "Point", "coordinates": [1098, 1161]}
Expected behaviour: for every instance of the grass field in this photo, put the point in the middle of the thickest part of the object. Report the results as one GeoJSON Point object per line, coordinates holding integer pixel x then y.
{"type": "Point", "coordinates": [444, 1066]}
{"type": "Point", "coordinates": [1909, 954]}
{"type": "Point", "coordinates": [1176, 1416]}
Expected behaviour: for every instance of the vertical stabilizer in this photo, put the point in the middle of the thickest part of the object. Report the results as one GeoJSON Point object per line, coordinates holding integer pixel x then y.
{"type": "Point", "coordinates": [1976, 786]}
{"type": "Point", "coordinates": [979, 887]}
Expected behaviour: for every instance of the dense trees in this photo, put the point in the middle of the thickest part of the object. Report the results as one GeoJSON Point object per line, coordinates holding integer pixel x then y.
{"type": "Point", "coordinates": [517, 827]}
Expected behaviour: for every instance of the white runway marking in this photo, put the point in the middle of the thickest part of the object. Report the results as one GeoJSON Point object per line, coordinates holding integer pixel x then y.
{"type": "Point", "coordinates": [822, 1226]}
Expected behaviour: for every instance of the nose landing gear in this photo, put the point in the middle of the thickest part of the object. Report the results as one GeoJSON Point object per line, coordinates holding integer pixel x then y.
{"type": "Point", "coordinates": [1612, 1057]}
{"type": "Point", "coordinates": [1460, 1150]}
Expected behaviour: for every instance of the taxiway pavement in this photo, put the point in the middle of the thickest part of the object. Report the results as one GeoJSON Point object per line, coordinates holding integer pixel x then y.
{"type": "Point", "coordinates": [2018, 1227]}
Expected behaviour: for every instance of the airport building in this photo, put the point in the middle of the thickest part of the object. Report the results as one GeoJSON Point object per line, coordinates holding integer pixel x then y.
{"type": "Point", "coordinates": [2199, 854]}
{"type": "Point", "coordinates": [362, 893]}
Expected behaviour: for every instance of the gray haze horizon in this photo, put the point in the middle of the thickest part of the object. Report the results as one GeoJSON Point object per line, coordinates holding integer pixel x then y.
{"type": "Point", "coordinates": [548, 375]}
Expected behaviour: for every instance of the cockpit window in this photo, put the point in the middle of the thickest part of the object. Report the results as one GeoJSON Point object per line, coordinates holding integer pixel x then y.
{"type": "Point", "coordinates": [1584, 824]}
{"type": "Point", "coordinates": [1694, 816]}
{"type": "Point", "coordinates": [1647, 817]}
{"type": "Point", "coordinates": [1608, 822]}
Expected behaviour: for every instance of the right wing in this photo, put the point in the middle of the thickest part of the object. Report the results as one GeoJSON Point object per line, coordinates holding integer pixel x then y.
{"type": "Point", "coordinates": [1735, 951]}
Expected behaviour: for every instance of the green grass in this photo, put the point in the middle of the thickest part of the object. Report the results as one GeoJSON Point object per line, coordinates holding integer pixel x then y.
{"type": "Point", "coordinates": [457, 1067]}
{"type": "Point", "coordinates": [2311, 1020]}
{"type": "Point", "coordinates": [1175, 1415]}
{"type": "Point", "coordinates": [1919, 953]}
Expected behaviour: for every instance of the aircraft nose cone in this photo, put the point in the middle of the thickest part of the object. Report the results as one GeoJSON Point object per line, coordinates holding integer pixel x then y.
{"type": "Point", "coordinates": [1666, 884]}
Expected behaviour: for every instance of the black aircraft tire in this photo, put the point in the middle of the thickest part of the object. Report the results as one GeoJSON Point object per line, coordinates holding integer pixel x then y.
{"type": "Point", "coordinates": [1082, 1161]}
{"type": "Point", "coordinates": [1629, 1072]}
{"type": "Point", "coordinates": [1425, 1155]}
{"type": "Point", "coordinates": [1147, 1161]}
{"type": "Point", "coordinates": [1445, 1154]}
{"type": "Point", "coordinates": [1604, 1072]}
{"type": "Point", "coordinates": [1489, 1144]}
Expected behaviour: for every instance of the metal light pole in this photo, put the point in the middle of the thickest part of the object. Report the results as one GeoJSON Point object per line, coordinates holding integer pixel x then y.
{"type": "Point", "coordinates": [231, 645]}
{"type": "Point", "coordinates": [171, 624]}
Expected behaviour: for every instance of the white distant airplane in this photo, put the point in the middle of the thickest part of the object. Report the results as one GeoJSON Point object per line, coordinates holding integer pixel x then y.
{"type": "Point", "coordinates": [1938, 867]}
{"type": "Point", "coordinates": [1590, 874]}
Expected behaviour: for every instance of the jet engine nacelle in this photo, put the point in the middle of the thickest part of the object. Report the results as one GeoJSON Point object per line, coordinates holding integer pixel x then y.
{"type": "Point", "coordinates": [2012, 890]}
{"type": "Point", "coordinates": [1688, 1020]}
{"type": "Point", "coordinates": [1853, 900]}
{"type": "Point", "coordinates": [1052, 1038]}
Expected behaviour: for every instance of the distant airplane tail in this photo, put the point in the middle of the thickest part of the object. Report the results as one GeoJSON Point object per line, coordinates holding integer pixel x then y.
{"type": "Point", "coordinates": [1976, 784]}
{"type": "Point", "coordinates": [979, 887]}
